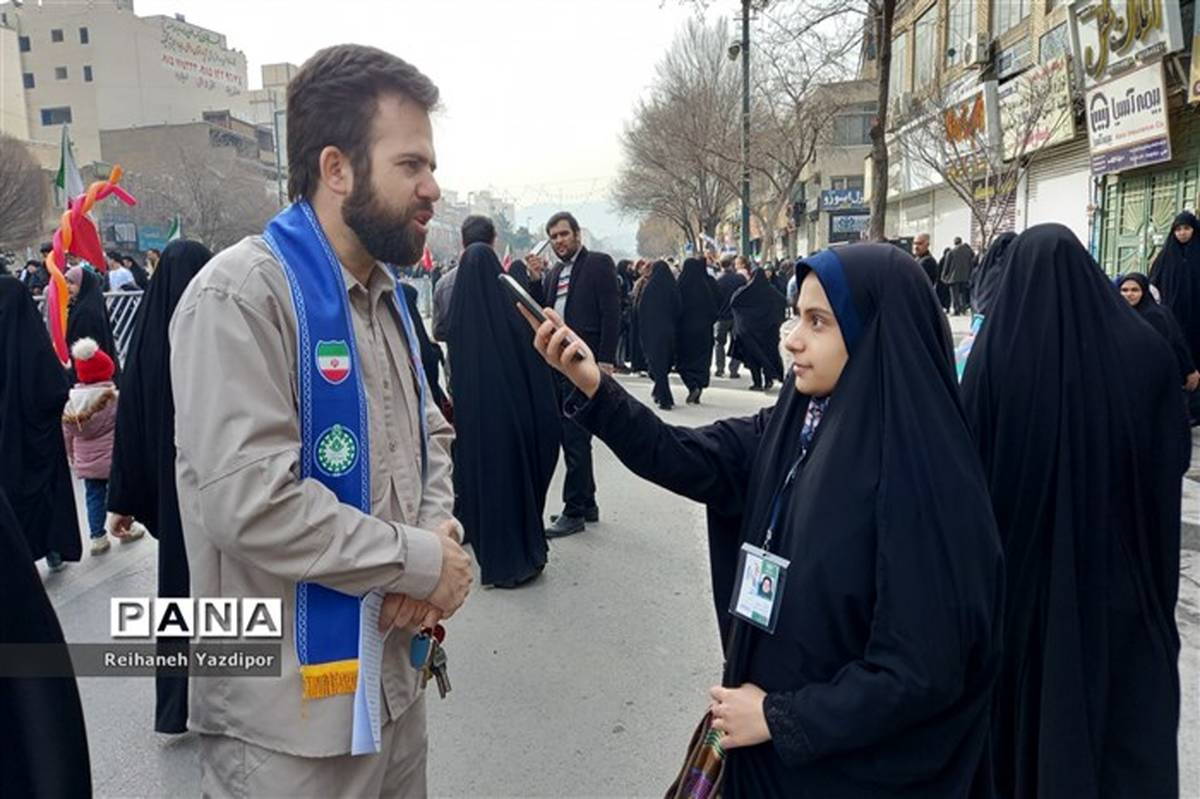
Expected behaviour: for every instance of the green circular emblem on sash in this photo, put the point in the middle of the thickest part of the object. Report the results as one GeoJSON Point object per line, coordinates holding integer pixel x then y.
{"type": "Point", "coordinates": [337, 451]}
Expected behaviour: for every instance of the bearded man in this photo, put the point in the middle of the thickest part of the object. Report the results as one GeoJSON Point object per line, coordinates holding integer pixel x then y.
{"type": "Point", "coordinates": [312, 465]}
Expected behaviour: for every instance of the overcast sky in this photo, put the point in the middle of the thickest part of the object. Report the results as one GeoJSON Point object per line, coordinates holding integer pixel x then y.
{"type": "Point", "coordinates": [535, 92]}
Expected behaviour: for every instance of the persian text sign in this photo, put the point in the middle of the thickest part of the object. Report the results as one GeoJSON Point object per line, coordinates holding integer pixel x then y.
{"type": "Point", "coordinates": [199, 58]}
{"type": "Point", "coordinates": [1035, 109]}
{"type": "Point", "coordinates": [842, 200]}
{"type": "Point", "coordinates": [1111, 36]}
{"type": "Point", "coordinates": [1127, 121]}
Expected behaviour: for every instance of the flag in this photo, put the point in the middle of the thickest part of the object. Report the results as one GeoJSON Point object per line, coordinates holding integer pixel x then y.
{"type": "Point", "coordinates": [68, 183]}
{"type": "Point", "coordinates": [507, 257]}
{"type": "Point", "coordinates": [427, 260]}
{"type": "Point", "coordinates": [176, 231]}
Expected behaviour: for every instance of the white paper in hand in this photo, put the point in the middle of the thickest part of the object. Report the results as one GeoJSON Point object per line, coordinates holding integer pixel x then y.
{"type": "Point", "coordinates": [367, 720]}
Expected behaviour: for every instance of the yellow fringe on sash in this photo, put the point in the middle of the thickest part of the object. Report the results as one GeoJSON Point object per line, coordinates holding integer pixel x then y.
{"type": "Point", "coordinates": [322, 680]}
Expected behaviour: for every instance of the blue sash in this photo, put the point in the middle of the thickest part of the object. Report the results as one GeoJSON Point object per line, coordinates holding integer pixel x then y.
{"type": "Point", "coordinates": [334, 431]}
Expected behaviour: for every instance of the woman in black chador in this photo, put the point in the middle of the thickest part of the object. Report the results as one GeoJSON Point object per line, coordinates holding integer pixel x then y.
{"type": "Point", "coordinates": [758, 311]}
{"type": "Point", "coordinates": [1077, 413]}
{"type": "Point", "coordinates": [1135, 288]}
{"type": "Point", "coordinates": [877, 678]}
{"type": "Point", "coordinates": [658, 326]}
{"type": "Point", "coordinates": [1176, 274]}
{"type": "Point", "coordinates": [507, 425]}
{"type": "Point", "coordinates": [33, 390]}
{"type": "Point", "coordinates": [87, 316]}
{"type": "Point", "coordinates": [142, 483]}
{"type": "Point", "coordinates": [698, 293]}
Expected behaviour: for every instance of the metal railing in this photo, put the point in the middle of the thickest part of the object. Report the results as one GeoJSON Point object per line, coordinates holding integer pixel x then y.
{"type": "Point", "coordinates": [122, 308]}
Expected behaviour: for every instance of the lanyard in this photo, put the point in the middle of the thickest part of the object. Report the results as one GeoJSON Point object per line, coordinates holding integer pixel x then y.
{"type": "Point", "coordinates": [777, 503]}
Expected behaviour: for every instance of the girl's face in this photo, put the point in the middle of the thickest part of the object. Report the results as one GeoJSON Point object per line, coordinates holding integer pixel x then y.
{"type": "Point", "coordinates": [1131, 291]}
{"type": "Point", "coordinates": [1183, 233]}
{"type": "Point", "coordinates": [816, 345]}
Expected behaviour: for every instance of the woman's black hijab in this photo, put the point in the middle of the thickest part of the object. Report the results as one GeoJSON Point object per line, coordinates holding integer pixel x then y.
{"type": "Point", "coordinates": [506, 423]}
{"type": "Point", "coordinates": [1163, 321]}
{"type": "Point", "coordinates": [87, 317]}
{"type": "Point", "coordinates": [1176, 274]}
{"type": "Point", "coordinates": [141, 278]}
{"type": "Point", "coordinates": [888, 638]}
{"type": "Point", "coordinates": [987, 273]}
{"type": "Point", "coordinates": [658, 318]}
{"type": "Point", "coordinates": [758, 311]}
{"type": "Point", "coordinates": [43, 735]}
{"type": "Point", "coordinates": [33, 390]}
{"type": "Point", "coordinates": [698, 296]}
{"type": "Point", "coordinates": [1077, 413]}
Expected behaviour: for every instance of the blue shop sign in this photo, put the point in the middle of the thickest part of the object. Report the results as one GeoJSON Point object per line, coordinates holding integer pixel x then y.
{"type": "Point", "coordinates": [842, 200]}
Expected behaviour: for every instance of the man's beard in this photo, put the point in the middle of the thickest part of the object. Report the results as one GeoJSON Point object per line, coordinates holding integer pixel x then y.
{"type": "Point", "coordinates": [387, 235]}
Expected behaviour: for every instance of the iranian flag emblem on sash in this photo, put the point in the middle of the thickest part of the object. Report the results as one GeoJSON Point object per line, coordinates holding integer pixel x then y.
{"type": "Point", "coordinates": [333, 360]}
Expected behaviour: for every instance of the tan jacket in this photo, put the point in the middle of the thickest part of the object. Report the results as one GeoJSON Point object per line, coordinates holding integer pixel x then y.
{"type": "Point", "coordinates": [253, 528]}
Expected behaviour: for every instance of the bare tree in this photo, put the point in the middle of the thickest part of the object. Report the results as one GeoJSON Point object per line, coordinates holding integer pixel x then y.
{"type": "Point", "coordinates": [219, 198]}
{"type": "Point", "coordinates": [980, 142]}
{"type": "Point", "coordinates": [23, 202]}
{"type": "Point", "coordinates": [675, 145]}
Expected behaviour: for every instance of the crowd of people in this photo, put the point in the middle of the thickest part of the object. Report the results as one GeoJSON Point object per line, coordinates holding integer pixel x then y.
{"type": "Point", "coordinates": [923, 586]}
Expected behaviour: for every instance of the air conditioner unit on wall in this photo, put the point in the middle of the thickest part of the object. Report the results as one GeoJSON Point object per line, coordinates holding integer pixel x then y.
{"type": "Point", "coordinates": [979, 51]}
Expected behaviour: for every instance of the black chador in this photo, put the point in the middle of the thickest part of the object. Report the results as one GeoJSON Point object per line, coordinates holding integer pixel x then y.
{"type": "Point", "coordinates": [506, 422]}
{"type": "Point", "coordinates": [87, 317]}
{"type": "Point", "coordinates": [758, 311]}
{"type": "Point", "coordinates": [658, 326]}
{"type": "Point", "coordinates": [1162, 320]}
{"type": "Point", "coordinates": [698, 294]}
{"type": "Point", "coordinates": [986, 276]}
{"type": "Point", "coordinates": [1076, 409]}
{"type": "Point", "coordinates": [878, 676]}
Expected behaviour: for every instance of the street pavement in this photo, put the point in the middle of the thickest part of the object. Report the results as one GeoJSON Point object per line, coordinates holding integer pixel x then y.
{"type": "Point", "coordinates": [585, 683]}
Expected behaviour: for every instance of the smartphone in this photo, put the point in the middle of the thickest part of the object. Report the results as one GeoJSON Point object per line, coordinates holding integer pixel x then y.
{"type": "Point", "coordinates": [522, 297]}
{"type": "Point", "coordinates": [540, 248]}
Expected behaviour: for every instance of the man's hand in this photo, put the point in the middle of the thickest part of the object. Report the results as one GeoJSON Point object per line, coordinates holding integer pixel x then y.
{"type": "Point", "coordinates": [455, 582]}
{"type": "Point", "coordinates": [402, 611]}
{"type": "Point", "coordinates": [118, 524]}
{"type": "Point", "coordinates": [535, 264]}
{"type": "Point", "coordinates": [739, 714]}
{"type": "Point", "coordinates": [1192, 382]}
{"type": "Point", "coordinates": [451, 529]}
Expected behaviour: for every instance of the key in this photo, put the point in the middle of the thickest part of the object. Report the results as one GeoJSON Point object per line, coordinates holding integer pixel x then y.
{"type": "Point", "coordinates": [419, 655]}
{"type": "Point", "coordinates": [437, 665]}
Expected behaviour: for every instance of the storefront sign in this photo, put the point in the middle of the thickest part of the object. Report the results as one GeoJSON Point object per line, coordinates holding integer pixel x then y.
{"type": "Point", "coordinates": [1035, 109]}
{"type": "Point", "coordinates": [1112, 36]}
{"type": "Point", "coordinates": [1194, 78]}
{"type": "Point", "coordinates": [848, 227]}
{"type": "Point", "coordinates": [1127, 122]}
{"type": "Point", "coordinates": [842, 200]}
{"type": "Point", "coordinates": [970, 134]}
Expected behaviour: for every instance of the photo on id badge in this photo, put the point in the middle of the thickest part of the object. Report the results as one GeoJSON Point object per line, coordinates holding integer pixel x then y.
{"type": "Point", "coordinates": [759, 587]}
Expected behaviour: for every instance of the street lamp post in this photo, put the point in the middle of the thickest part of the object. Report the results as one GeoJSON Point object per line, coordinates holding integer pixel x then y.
{"type": "Point", "coordinates": [746, 128]}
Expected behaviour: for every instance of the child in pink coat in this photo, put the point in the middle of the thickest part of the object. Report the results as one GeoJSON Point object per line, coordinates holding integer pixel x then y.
{"type": "Point", "coordinates": [88, 421]}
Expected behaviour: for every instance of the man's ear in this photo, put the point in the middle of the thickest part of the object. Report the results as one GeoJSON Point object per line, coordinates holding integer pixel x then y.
{"type": "Point", "coordinates": [336, 173]}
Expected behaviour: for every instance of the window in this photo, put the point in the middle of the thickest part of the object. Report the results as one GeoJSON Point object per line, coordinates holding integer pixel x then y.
{"type": "Point", "coordinates": [56, 116]}
{"type": "Point", "coordinates": [1054, 44]}
{"type": "Point", "coordinates": [1013, 59]}
{"type": "Point", "coordinates": [847, 182]}
{"type": "Point", "coordinates": [898, 82]}
{"type": "Point", "coordinates": [56, 35]}
{"type": "Point", "coordinates": [924, 46]}
{"type": "Point", "coordinates": [87, 74]}
{"type": "Point", "coordinates": [1007, 13]}
{"type": "Point", "coordinates": [83, 36]}
{"type": "Point", "coordinates": [28, 78]}
{"type": "Point", "coordinates": [60, 73]}
{"type": "Point", "coordinates": [960, 31]}
{"type": "Point", "coordinates": [23, 44]}
{"type": "Point", "coordinates": [850, 130]}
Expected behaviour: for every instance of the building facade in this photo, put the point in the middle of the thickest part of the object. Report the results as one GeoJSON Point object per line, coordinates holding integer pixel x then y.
{"type": "Point", "coordinates": [1115, 176]}
{"type": "Point", "coordinates": [98, 66]}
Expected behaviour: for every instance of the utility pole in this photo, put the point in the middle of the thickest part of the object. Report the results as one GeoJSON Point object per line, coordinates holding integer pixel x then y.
{"type": "Point", "coordinates": [746, 128]}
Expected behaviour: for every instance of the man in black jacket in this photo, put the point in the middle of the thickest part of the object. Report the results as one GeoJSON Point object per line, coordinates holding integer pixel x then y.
{"type": "Point", "coordinates": [727, 285]}
{"type": "Point", "coordinates": [582, 286]}
{"type": "Point", "coordinates": [925, 259]}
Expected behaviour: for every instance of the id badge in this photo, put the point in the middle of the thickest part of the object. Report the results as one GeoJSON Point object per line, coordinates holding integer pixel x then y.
{"type": "Point", "coordinates": [761, 579]}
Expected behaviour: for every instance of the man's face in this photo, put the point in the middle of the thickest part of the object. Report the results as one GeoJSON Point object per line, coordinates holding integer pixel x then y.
{"type": "Point", "coordinates": [920, 246]}
{"type": "Point", "coordinates": [1183, 233]}
{"type": "Point", "coordinates": [390, 206]}
{"type": "Point", "coordinates": [564, 240]}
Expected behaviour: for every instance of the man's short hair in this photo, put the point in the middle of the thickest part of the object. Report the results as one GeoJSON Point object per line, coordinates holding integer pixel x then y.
{"type": "Point", "coordinates": [333, 100]}
{"type": "Point", "coordinates": [477, 229]}
{"type": "Point", "coordinates": [957, 240]}
{"type": "Point", "coordinates": [563, 216]}
{"type": "Point", "coordinates": [921, 237]}
{"type": "Point", "coordinates": [46, 248]}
